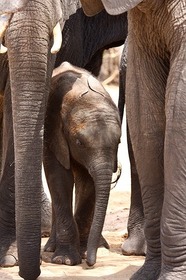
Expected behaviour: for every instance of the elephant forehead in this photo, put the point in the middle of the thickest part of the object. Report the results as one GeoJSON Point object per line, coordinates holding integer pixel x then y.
{"type": "Point", "coordinates": [104, 128]}
{"type": "Point", "coordinates": [101, 135]}
{"type": "Point", "coordinates": [94, 111]}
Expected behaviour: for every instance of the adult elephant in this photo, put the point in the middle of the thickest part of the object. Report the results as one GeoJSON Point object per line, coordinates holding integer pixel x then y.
{"type": "Point", "coordinates": [155, 101]}
{"type": "Point", "coordinates": [29, 41]}
{"type": "Point", "coordinates": [85, 38]}
{"type": "Point", "coordinates": [30, 71]}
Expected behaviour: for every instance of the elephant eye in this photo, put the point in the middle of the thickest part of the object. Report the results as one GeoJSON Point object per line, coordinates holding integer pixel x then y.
{"type": "Point", "coordinates": [78, 142]}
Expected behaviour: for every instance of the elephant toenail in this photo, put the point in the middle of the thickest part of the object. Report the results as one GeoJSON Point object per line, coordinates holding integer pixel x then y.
{"type": "Point", "coordinates": [67, 261]}
{"type": "Point", "coordinates": [57, 260]}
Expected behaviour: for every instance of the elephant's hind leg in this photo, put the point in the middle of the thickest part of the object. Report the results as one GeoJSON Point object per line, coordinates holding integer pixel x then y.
{"type": "Point", "coordinates": [46, 215]}
{"type": "Point", "coordinates": [8, 251]}
{"type": "Point", "coordinates": [135, 244]}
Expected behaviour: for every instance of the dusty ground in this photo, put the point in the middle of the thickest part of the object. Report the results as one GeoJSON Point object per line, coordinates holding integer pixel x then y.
{"type": "Point", "coordinates": [111, 264]}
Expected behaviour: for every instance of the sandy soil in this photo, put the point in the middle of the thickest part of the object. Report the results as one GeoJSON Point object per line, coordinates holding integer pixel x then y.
{"type": "Point", "coordinates": [111, 264]}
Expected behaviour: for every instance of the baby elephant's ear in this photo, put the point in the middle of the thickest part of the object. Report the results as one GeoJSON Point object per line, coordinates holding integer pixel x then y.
{"type": "Point", "coordinates": [96, 86]}
{"type": "Point", "coordinates": [60, 147]}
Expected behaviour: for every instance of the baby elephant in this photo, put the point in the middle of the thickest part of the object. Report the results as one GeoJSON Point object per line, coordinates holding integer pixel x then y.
{"type": "Point", "coordinates": [82, 133]}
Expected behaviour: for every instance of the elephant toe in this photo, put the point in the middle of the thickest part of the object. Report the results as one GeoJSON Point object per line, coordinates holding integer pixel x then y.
{"type": "Point", "coordinates": [62, 260]}
{"type": "Point", "coordinates": [67, 257]}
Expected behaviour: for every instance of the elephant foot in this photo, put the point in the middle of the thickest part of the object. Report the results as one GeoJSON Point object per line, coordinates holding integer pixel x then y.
{"type": "Point", "coordinates": [46, 216]}
{"type": "Point", "coordinates": [149, 271]}
{"type": "Point", "coordinates": [8, 247]}
{"type": "Point", "coordinates": [10, 257]}
{"type": "Point", "coordinates": [135, 244]}
{"type": "Point", "coordinates": [65, 254]}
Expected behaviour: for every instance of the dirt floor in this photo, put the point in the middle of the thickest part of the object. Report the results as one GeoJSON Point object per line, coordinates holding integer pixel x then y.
{"type": "Point", "coordinates": [111, 264]}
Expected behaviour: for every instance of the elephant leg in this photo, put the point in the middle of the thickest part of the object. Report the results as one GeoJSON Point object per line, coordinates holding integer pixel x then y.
{"type": "Point", "coordinates": [135, 244]}
{"type": "Point", "coordinates": [84, 207]}
{"type": "Point", "coordinates": [50, 246]}
{"type": "Point", "coordinates": [8, 253]}
{"type": "Point", "coordinates": [145, 100]}
{"type": "Point", "coordinates": [173, 222]}
{"type": "Point", "coordinates": [46, 214]}
{"type": "Point", "coordinates": [64, 238]}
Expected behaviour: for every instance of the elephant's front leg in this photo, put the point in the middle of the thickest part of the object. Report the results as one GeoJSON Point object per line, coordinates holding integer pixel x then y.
{"type": "Point", "coordinates": [64, 240]}
{"type": "Point", "coordinates": [146, 119]}
{"type": "Point", "coordinates": [173, 223]}
{"type": "Point", "coordinates": [84, 206]}
{"type": "Point", "coordinates": [135, 244]}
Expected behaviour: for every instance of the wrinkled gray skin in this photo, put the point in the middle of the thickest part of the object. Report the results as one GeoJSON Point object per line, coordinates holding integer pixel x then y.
{"type": "Point", "coordinates": [79, 28]}
{"type": "Point", "coordinates": [135, 243]}
{"type": "Point", "coordinates": [30, 72]}
{"type": "Point", "coordinates": [155, 101]}
{"type": "Point", "coordinates": [82, 133]}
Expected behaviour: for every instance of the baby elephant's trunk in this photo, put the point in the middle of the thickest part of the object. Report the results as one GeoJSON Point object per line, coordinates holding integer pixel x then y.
{"type": "Point", "coordinates": [102, 179]}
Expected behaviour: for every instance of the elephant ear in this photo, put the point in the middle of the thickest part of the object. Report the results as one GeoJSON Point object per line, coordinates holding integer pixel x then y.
{"type": "Point", "coordinates": [92, 8]}
{"type": "Point", "coordinates": [96, 86]}
{"type": "Point", "coordinates": [11, 6]}
{"type": "Point", "coordinates": [113, 7]}
{"type": "Point", "coordinates": [58, 144]}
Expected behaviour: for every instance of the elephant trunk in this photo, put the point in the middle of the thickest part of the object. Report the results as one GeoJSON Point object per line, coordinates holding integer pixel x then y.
{"type": "Point", "coordinates": [28, 61]}
{"type": "Point", "coordinates": [102, 180]}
